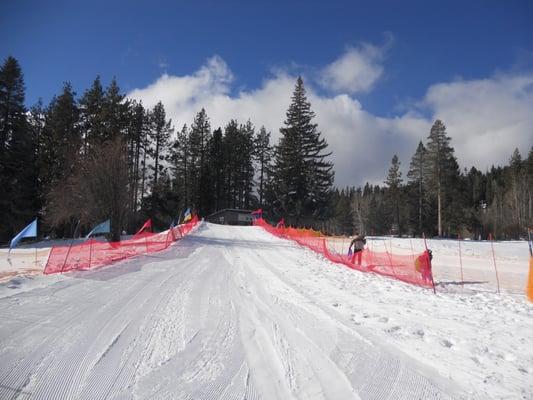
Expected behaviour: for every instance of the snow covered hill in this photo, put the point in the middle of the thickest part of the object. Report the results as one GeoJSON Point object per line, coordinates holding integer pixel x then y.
{"type": "Point", "coordinates": [234, 313]}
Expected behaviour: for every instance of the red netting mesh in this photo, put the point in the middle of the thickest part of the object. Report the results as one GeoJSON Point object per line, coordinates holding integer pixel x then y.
{"type": "Point", "coordinates": [93, 253]}
{"type": "Point", "coordinates": [414, 268]}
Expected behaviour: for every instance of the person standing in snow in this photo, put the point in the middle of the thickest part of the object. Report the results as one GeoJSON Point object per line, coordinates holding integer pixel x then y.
{"type": "Point", "coordinates": [358, 244]}
{"type": "Point", "coordinates": [423, 265]}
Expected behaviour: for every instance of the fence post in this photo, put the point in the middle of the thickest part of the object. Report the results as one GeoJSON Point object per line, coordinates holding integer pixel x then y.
{"type": "Point", "coordinates": [412, 250]}
{"type": "Point", "coordinates": [529, 288]}
{"type": "Point", "coordinates": [430, 265]}
{"type": "Point", "coordinates": [461, 262]}
{"type": "Point", "coordinates": [166, 238]}
{"type": "Point", "coordinates": [371, 252]}
{"type": "Point", "coordinates": [494, 261]}
{"type": "Point", "coordinates": [66, 257]}
{"type": "Point", "coordinates": [90, 252]}
{"type": "Point", "coordinates": [389, 256]}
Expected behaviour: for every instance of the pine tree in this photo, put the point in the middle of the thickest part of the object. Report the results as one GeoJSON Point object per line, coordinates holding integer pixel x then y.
{"type": "Point", "coordinates": [135, 149]}
{"type": "Point", "coordinates": [114, 112]}
{"type": "Point", "coordinates": [394, 182]}
{"type": "Point", "coordinates": [517, 189]}
{"type": "Point", "coordinates": [303, 177]}
{"type": "Point", "coordinates": [529, 185]}
{"type": "Point", "coordinates": [199, 137]}
{"type": "Point", "coordinates": [36, 124]}
{"type": "Point", "coordinates": [18, 201]}
{"type": "Point", "coordinates": [441, 167]}
{"type": "Point", "coordinates": [231, 144]}
{"type": "Point", "coordinates": [217, 166]}
{"type": "Point", "coordinates": [160, 134]}
{"type": "Point", "coordinates": [146, 151]}
{"type": "Point", "coordinates": [91, 114]}
{"type": "Point", "coordinates": [61, 139]}
{"type": "Point", "coordinates": [36, 121]}
{"type": "Point", "coordinates": [180, 166]}
{"type": "Point", "coordinates": [263, 157]}
{"type": "Point", "coordinates": [416, 179]}
{"type": "Point", "coordinates": [246, 157]}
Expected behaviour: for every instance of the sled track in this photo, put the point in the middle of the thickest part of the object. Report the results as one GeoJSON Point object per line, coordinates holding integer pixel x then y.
{"type": "Point", "coordinates": [218, 321]}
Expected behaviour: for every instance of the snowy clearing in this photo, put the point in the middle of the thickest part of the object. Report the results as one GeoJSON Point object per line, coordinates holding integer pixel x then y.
{"type": "Point", "coordinates": [234, 313]}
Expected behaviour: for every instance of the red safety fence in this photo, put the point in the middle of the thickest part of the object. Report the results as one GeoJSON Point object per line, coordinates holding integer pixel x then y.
{"type": "Point", "coordinates": [93, 253]}
{"type": "Point", "coordinates": [414, 269]}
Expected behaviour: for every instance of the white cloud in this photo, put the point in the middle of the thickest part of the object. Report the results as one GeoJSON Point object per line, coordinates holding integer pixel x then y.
{"type": "Point", "coordinates": [357, 70]}
{"type": "Point", "coordinates": [212, 79]}
{"type": "Point", "coordinates": [486, 119]}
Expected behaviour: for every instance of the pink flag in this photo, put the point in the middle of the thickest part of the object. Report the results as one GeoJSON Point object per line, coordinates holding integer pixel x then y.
{"type": "Point", "coordinates": [147, 226]}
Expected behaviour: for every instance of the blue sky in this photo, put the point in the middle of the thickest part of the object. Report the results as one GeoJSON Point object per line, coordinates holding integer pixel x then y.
{"type": "Point", "coordinates": [407, 48]}
{"type": "Point", "coordinates": [137, 40]}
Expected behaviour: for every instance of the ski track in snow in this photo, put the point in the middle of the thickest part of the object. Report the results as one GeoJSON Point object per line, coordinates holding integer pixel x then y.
{"type": "Point", "coordinates": [235, 313]}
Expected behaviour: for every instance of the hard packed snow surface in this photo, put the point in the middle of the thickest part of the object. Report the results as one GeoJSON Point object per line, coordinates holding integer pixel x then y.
{"type": "Point", "coordinates": [235, 313]}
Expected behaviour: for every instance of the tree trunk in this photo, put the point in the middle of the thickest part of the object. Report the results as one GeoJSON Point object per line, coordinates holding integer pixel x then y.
{"type": "Point", "coordinates": [143, 175]}
{"type": "Point", "coordinates": [261, 185]}
{"type": "Point", "coordinates": [439, 212]}
{"type": "Point", "coordinates": [420, 208]}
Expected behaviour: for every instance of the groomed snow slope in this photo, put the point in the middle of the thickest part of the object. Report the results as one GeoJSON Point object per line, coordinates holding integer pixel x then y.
{"type": "Point", "coordinates": [234, 313]}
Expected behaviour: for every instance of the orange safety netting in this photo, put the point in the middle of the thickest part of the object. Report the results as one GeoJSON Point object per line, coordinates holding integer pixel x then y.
{"type": "Point", "coordinates": [93, 253]}
{"type": "Point", "coordinates": [414, 269]}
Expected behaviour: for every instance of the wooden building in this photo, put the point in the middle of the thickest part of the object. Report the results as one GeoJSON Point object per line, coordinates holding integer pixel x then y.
{"type": "Point", "coordinates": [230, 216]}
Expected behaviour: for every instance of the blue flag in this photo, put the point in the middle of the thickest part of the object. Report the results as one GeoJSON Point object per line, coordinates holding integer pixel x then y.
{"type": "Point", "coordinates": [104, 227]}
{"type": "Point", "coordinates": [29, 231]}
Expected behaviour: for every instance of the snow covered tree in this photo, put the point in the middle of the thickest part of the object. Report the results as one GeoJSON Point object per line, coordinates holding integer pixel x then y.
{"type": "Point", "coordinates": [303, 176]}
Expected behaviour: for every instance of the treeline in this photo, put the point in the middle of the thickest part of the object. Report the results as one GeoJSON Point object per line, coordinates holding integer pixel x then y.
{"type": "Point", "coordinates": [436, 198]}
{"type": "Point", "coordinates": [80, 160]}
